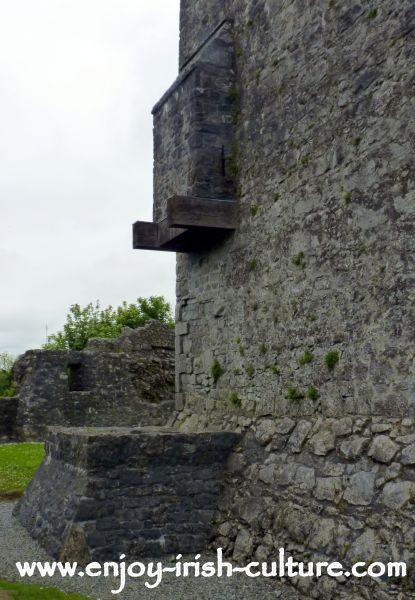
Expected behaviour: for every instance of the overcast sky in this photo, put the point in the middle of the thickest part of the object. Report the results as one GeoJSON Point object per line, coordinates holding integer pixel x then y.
{"type": "Point", "coordinates": [78, 79]}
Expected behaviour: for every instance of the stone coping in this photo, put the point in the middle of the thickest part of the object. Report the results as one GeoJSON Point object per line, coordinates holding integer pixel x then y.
{"type": "Point", "coordinates": [120, 431]}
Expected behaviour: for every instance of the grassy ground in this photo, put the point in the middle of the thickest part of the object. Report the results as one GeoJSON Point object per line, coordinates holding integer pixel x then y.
{"type": "Point", "coordinates": [20, 591]}
{"type": "Point", "coordinates": [18, 463]}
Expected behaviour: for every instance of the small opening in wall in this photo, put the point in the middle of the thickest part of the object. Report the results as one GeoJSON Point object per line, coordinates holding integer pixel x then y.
{"type": "Point", "coordinates": [75, 379]}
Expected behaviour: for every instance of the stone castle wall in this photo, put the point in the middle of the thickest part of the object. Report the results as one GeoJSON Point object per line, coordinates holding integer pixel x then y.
{"type": "Point", "coordinates": [298, 329]}
{"type": "Point", "coordinates": [125, 381]}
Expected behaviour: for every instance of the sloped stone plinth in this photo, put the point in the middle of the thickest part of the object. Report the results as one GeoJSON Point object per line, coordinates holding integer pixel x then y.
{"type": "Point", "coordinates": [141, 492]}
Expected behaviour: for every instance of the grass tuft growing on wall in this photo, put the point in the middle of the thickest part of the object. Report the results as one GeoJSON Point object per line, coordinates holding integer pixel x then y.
{"type": "Point", "coordinates": [331, 359]}
{"type": "Point", "coordinates": [306, 358]}
{"type": "Point", "coordinates": [294, 394]}
{"type": "Point", "coordinates": [235, 400]}
{"type": "Point", "coordinates": [312, 393]}
{"type": "Point", "coordinates": [216, 370]}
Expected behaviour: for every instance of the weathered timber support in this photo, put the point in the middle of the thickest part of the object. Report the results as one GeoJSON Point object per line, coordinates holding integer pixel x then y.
{"type": "Point", "coordinates": [188, 218]}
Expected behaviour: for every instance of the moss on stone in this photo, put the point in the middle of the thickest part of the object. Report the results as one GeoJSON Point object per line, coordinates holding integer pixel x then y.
{"type": "Point", "coordinates": [250, 371]}
{"type": "Point", "coordinates": [299, 260]}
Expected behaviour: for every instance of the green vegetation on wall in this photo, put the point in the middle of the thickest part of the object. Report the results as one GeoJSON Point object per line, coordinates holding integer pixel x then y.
{"type": "Point", "coordinates": [331, 359]}
{"type": "Point", "coordinates": [312, 393]}
{"type": "Point", "coordinates": [306, 358]}
{"type": "Point", "coordinates": [299, 260]}
{"type": "Point", "coordinates": [216, 370]}
{"type": "Point", "coordinates": [294, 394]}
{"type": "Point", "coordinates": [235, 400]}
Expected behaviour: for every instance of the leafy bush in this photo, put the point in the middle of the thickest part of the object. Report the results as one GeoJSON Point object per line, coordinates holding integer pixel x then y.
{"type": "Point", "coordinates": [92, 321]}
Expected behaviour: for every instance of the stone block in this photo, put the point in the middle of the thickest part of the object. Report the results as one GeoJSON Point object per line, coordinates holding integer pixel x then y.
{"type": "Point", "coordinates": [328, 488]}
{"type": "Point", "coordinates": [383, 449]}
{"type": "Point", "coordinates": [360, 489]}
{"type": "Point", "coordinates": [143, 491]}
{"type": "Point", "coordinates": [408, 455]}
{"type": "Point", "coordinates": [396, 495]}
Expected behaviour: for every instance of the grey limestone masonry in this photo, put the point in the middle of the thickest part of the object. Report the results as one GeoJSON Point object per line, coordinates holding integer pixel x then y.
{"type": "Point", "coordinates": [298, 329]}
{"type": "Point", "coordinates": [113, 382]}
{"type": "Point", "coordinates": [141, 492]}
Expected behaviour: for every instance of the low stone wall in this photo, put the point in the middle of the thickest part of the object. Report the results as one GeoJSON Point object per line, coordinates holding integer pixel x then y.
{"type": "Point", "coordinates": [8, 412]}
{"type": "Point", "coordinates": [125, 381]}
{"type": "Point", "coordinates": [141, 492]}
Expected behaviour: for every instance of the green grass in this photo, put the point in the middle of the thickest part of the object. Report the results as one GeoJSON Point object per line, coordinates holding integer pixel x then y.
{"type": "Point", "coordinates": [22, 591]}
{"type": "Point", "coordinates": [18, 463]}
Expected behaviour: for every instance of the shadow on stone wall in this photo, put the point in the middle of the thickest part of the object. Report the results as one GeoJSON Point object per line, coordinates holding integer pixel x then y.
{"type": "Point", "coordinates": [8, 414]}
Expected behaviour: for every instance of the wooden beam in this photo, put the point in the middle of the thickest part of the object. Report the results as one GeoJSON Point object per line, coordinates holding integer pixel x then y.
{"type": "Point", "coordinates": [191, 212]}
{"type": "Point", "coordinates": [192, 224]}
{"type": "Point", "coordinates": [145, 235]}
{"type": "Point", "coordinates": [157, 236]}
{"type": "Point", "coordinates": [167, 234]}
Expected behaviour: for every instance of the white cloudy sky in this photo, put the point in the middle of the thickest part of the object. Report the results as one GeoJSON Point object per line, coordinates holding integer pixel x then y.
{"type": "Point", "coordinates": [78, 79]}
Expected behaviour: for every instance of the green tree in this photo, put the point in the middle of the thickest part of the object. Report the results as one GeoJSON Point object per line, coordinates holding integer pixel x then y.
{"type": "Point", "coordinates": [92, 321]}
{"type": "Point", "coordinates": [6, 374]}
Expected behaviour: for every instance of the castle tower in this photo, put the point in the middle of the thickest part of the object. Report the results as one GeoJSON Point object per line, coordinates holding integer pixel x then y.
{"type": "Point", "coordinates": [284, 180]}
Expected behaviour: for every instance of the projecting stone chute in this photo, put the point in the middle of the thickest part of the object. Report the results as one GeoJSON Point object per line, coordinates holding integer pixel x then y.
{"type": "Point", "coordinates": [194, 153]}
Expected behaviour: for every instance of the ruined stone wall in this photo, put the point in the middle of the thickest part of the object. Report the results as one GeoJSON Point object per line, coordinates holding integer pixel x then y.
{"type": "Point", "coordinates": [123, 381]}
{"type": "Point", "coordinates": [308, 308]}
